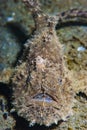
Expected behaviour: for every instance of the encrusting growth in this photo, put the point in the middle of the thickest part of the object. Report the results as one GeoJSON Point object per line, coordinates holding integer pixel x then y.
{"type": "Point", "coordinates": [42, 85]}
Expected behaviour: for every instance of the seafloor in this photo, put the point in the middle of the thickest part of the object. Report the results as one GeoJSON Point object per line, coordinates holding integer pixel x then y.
{"type": "Point", "coordinates": [16, 26]}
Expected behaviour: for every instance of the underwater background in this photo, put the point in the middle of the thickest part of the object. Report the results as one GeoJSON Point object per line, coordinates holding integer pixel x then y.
{"type": "Point", "coordinates": [16, 26]}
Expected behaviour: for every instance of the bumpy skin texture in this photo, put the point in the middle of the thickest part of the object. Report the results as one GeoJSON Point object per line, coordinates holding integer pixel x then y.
{"type": "Point", "coordinates": [42, 87]}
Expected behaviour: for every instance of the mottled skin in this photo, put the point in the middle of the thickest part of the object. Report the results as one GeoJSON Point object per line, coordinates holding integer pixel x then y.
{"type": "Point", "coordinates": [42, 85]}
{"type": "Point", "coordinates": [43, 73]}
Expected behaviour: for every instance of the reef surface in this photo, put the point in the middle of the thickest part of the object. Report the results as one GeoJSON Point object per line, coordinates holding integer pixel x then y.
{"type": "Point", "coordinates": [36, 61]}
